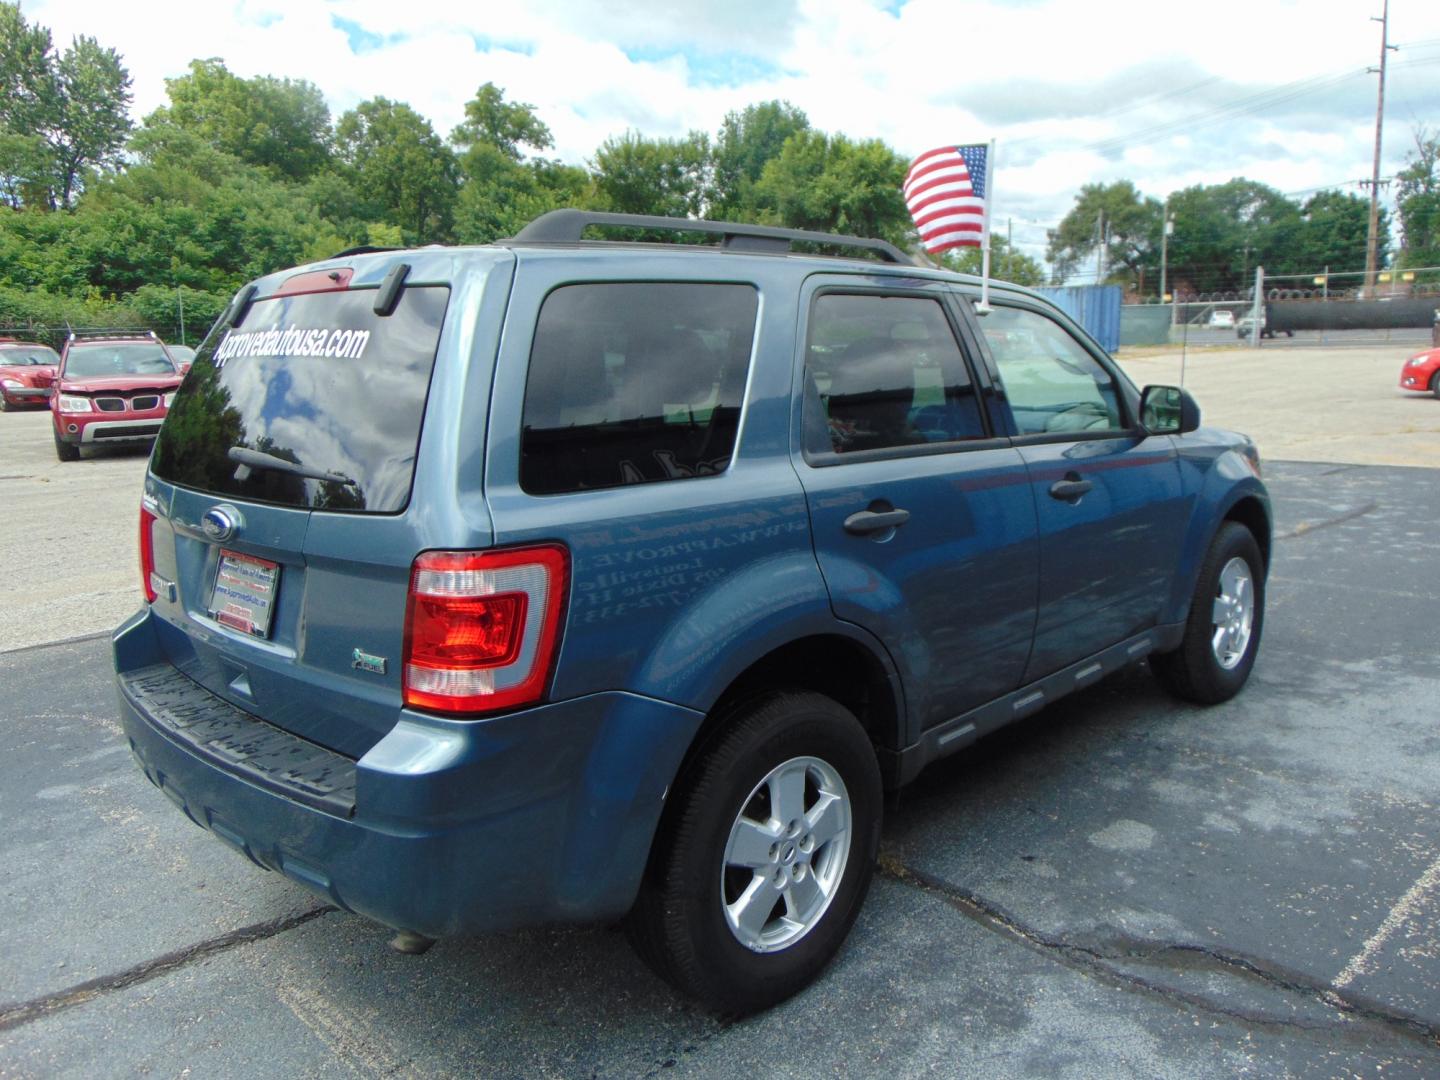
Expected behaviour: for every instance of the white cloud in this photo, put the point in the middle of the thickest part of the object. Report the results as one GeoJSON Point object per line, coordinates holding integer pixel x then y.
{"type": "Point", "coordinates": [1051, 79]}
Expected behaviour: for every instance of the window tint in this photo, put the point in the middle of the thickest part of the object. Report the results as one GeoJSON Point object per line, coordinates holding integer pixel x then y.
{"type": "Point", "coordinates": [1052, 383]}
{"type": "Point", "coordinates": [634, 383]}
{"type": "Point", "coordinates": [885, 371]}
{"type": "Point", "coordinates": [312, 401]}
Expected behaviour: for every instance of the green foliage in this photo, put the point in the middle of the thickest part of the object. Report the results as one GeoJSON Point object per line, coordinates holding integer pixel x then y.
{"type": "Point", "coordinates": [500, 192]}
{"type": "Point", "coordinates": [1131, 223]}
{"type": "Point", "coordinates": [492, 122]}
{"type": "Point", "coordinates": [1223, 232]}
{"type": "Point", "coordinates": [831, 183]}
{"type": "Point", "coordinates": [747, 142]}
{"type": "Point", "coordinates": [1336, 228]}
{"type": "Point", "coordinates": [669, 177]}
{"type": "Point", "coordinates": [1417, 197]}
{"type": "Point", "coordinates": [277, 124]}
{"type": "Point", "coordinates": [402, 171]}
{"type": "Point", "coordinates": [1006, 263]}
{"type": "Point", "coordinates": [61, 114]}
{"type": "Point", "coordinates": [47, 314]}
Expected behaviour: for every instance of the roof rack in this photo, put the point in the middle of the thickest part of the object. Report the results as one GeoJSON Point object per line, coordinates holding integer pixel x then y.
{"type": "Point", "coordinates": [568, 227]}
{"type": "Point", "coordinates": [112, 334]}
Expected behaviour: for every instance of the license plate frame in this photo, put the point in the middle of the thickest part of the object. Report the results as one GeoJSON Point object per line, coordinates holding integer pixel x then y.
{"type": "Point", "coordinates": [243, 595]}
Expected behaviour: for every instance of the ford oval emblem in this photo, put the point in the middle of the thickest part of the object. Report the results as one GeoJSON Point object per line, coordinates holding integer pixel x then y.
{"type": "Point", "coordinates": [220, 522]}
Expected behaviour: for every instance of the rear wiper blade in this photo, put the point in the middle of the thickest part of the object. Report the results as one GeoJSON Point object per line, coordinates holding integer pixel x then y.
{"type": "Point", "coordinates": [249, 459]}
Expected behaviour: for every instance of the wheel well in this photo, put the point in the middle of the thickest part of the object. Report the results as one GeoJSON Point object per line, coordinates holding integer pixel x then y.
{"type": "Point", "coordinates": [837, 667]}
{"type": "Point", "coordinates": [1251, 514]}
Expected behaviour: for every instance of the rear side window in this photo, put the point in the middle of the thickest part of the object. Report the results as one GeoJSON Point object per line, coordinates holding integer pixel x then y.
{"type": "Point", "coordinates": [884, 372]}
{"type": "Point", "coordinates": [313, 401]}
{"type": "Point", "coordinates": [634, 383]}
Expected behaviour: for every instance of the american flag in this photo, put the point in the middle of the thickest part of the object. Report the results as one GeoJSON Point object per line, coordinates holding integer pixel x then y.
{"type": "Point", "coordinates": [945, 192]}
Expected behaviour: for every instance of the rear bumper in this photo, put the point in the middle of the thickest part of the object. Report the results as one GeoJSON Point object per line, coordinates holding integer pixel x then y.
{"type": "Point", "coordinates": [443, 827]}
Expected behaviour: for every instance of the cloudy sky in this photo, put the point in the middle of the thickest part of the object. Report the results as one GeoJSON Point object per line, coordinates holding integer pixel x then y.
{"type": "Point", "coordinates": [1164, 94]}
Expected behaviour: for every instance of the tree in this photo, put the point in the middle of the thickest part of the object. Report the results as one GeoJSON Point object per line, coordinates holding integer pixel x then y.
{"type": "Point", "coordinates": [278, 124]}
{"type": "Point", "coordinates": [500, 191]}
{"type": "Point", "coordinates": [1223, 231]}
{"type": "Point", "coordinates": [1335, 228]}
{"type": "Point", "coordinates": [400, 167]}
{"type": "Point", "coordinates": [831, 183]}
{"type": "Point", "coordinates": [1007, 263]}
{"type": "Point", "coordinates": [1131, 223]}
{"type": "Point", "coordinates": [92, 118]}
{"type": "Point", "coordinates": [669, 177]}
{"type": "Point", "coordinates": [506, 126]}
{"type": "Point", "coordinates": [1417, 198]}
{"type": "Point", "coordinates": [26, 72]}
{"type": "Point", "coordinates": [76, 103]}
{"type": "Point", "coordinates": [747, 142]}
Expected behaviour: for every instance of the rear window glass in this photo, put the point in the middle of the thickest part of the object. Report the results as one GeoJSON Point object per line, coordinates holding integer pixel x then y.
{"type": "Point", "coordinates": [28, 357]}
{"type": "Point", "coordinates": [313, 401]}
{"type": "Point", "coordinates": [635, 383]}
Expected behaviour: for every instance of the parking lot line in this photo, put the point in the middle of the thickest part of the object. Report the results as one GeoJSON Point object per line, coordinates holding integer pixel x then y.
{"type": "Point", "coordinates": [1404, 908]}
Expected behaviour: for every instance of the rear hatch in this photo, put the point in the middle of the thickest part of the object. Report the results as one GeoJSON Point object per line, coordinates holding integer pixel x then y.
{"type": "Point", "coordinates": [275, 509]}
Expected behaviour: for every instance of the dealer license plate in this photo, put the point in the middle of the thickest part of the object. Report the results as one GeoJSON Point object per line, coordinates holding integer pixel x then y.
{"type": "Point", "coordinates": [244, 593]}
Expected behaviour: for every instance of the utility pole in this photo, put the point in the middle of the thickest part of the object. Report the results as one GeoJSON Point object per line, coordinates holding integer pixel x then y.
{"type": "Point", "coordinates": [1164, 243]}
{"type": "Point", "coordinates": [1372, 243]}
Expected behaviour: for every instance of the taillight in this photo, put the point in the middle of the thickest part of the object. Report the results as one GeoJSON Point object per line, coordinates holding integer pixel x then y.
{"type": "Point", "coordinates": [481, 627]}
{"type": "Point", "coordinates": [147, 554]}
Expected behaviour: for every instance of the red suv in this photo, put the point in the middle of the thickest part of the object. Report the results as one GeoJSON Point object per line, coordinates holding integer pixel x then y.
{"type": "Point", "coordinates": [113, 387]}
{"type": "Point", "coordinates": [27, 371]}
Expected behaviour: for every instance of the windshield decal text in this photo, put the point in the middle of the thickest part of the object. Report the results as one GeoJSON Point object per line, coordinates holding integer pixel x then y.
{"type": "Point", "coordinates": [295, 341]}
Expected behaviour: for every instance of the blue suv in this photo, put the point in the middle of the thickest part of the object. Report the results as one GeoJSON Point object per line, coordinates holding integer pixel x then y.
{"type": "Point", "coordinates": [569, 579]}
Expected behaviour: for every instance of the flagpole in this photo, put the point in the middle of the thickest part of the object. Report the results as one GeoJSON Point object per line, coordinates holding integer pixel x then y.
{"type": "Point", "coordinates": [984, 306]}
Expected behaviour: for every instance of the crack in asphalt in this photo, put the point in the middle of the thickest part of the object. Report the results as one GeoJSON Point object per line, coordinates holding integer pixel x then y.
{"type": "Point", "coordinates": [1102, 959]}
{"type": "Point", "coordinates": [24, 1012]}
{"type": "Point", "coordinates": [1305, 528]}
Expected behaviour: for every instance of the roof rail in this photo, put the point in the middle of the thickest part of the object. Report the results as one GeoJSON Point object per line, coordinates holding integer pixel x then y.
{"type": "Point", "coordinates": [568, 227]}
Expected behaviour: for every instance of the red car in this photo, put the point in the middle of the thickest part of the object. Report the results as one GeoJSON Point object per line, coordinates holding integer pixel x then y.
{"type": "Point", "coordinates": [113, 388]}
{"type": "Point", "coordinates": [27, 372]}
{"type": "Point", "coordinates": [1422, 372]}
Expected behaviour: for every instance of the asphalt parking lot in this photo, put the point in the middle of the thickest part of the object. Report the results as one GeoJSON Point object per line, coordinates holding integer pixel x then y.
{"type": "Point", "coordinates": [1121, 886]}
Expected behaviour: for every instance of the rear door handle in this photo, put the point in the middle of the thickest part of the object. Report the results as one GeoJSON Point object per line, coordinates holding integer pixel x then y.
{"type": "Point", "coordinates": [1070, 489]}
{"type": "Point", "coordinates": [869, 521]}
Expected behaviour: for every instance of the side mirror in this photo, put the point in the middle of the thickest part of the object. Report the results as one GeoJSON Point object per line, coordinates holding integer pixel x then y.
{"type": "Point", "coordinates": [1168, 410]}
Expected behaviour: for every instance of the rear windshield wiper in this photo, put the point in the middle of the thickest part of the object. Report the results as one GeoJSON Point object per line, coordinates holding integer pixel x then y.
{"type": "Point", "coordinates": [249, 459]}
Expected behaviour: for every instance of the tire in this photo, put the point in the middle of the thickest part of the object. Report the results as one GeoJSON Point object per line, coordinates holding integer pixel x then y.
{"type": "Point", "coordinates": [66, 451]}
{"type": "Point", "coordinates": [1211, 666]}
{"type": "Point", "coordinates": [707, 860]}
{"type": "Point", "coordinates": [1435, 384]}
